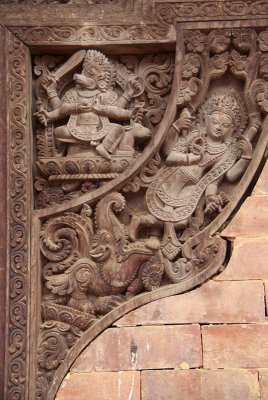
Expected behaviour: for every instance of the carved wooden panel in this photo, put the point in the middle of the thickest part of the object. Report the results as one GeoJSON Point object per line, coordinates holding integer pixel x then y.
{"type": "Point", "coordinates": [138, 158]}
{"type": "Point", "coordinates": [18, 128]}
{"type": "Point", "coordinates": [152, 150]}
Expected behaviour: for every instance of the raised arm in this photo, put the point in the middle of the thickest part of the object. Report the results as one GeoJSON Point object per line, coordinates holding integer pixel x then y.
{"type": "Point", "coordinates": [246, 149]}
{"type": "Point", "coordinates": [241, 165]}
{"type": "Point", "coordinates": [64, 110]}
{"type": "Point", "coordinates": [50, 85]}
{"type": "Point", "coordinates": [180, 126]}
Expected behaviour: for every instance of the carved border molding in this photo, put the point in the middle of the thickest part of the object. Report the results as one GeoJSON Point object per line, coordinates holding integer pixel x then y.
{"type": "Point", "coordinates": [161, 26]}
{"type": "Point", "coordinates": [168, 12]}
{"type": "Point", "coordinates": [19, 224]}
{"type": "Point", "coordinates": [83, 3]}
{"type": "Point", "coordinates": [82, 35]}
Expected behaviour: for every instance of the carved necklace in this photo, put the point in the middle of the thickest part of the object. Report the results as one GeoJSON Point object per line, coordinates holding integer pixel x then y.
{"type": "Point", "coordinates": [216, 149]}
{"type": "Point", "coordinates": [203, 164]}
{"type": "Point", "coordinates": [88, 94]}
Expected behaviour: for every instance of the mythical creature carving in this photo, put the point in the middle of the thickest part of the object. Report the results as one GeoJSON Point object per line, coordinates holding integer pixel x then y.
{"type": "Point", "coordinates": [108, 264]}
{"type": "Point", "coordinates": [111, 112]}
{"type": "Point", "coordinates": [89, 107]}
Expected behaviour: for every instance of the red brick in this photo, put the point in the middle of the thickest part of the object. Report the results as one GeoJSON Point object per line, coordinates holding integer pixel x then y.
{"type": "Point", "coordinates": [248, 260]}
{"type": "Point", "coordinates": [266, 293]}
{"type": "Point", "coordinates": [262, 184]}
{"type": "Point", "coordinates": [263, 378]}
{"type": "Point", "coordinates": [214, 302]}
{"type": "Point", "coordinates": [137, 348]}
{"type": "Point", "coordinates": [199, 385]}
{"type": "Point", "coordinates": [101, 386]}
{"type": "Point", "coordinates": [251, 220]}
{"type": "Point", "coordinates": [235, 346]}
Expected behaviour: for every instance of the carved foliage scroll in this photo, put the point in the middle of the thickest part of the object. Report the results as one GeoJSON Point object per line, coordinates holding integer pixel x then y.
{"type": "Point", "coordinates": [20, 203]}
{"type": "Point", "coordinates": [168, 12]}
{"type": "Point", "coordinates": [111, 33]}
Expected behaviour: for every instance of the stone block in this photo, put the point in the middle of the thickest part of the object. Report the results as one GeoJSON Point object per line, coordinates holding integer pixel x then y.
{"type": "Point", "coordinates": [251, 220]}
{"type": "Point", "coordinates": [248, 260]}
{"type": "Point", "coordinates": [263, 379]}
{"type": "Point", "coordinates": [199, 385]}
{"type": "Point", "coordinates": [138, 348]}
{"type": "Point", "coordinates": [261, 186]}
{"type": "Point", "coordinates": [101, 385]}
{"type": "Point", "coordinates": [214, 302]}
{"type": "Point", "coordinates": [235, 346]}
{"type": "Point", "coordinates": [266, 294]}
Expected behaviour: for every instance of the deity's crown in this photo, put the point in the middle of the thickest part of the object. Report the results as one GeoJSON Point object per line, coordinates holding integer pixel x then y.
{"type": "Point", "coordinates": [98, 67]}
{"type": "Point", "coordinates": [228, 102]}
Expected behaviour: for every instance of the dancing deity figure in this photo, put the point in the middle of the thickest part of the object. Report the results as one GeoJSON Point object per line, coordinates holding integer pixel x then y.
{"type": "Point", "coordinates": [89, 106]}
{"type": "Point", "coordinates": [199, 160]}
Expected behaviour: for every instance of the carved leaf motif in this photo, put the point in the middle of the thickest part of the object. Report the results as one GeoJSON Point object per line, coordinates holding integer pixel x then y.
{"type": "Point", "coordinates": [156, 109]}
{"type": "Point", "coordinates": [188, 89]}
{"type": "Point", "coordinates": [262, 96]}
{"type": "Point", "coordinates": [263, 41]}
{"type": "Point", "coordinates": [264, 66]}
{"type": "Point", "coordinates": [146, 176]}
{"type": "Point", "coordinates": [157, 73]}
{"type": "Point", "coordinates": [219, 64]}
{"type": "Point", "coordinates": [191, 65]}
{"type": "Point", "coordinates": [49, 196]}
{"type": "Point", "coordinates": [52, 351]}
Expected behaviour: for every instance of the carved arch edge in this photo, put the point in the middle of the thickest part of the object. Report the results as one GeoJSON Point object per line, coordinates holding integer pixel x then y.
{"type": "Point", "coordinates": [114, 315]}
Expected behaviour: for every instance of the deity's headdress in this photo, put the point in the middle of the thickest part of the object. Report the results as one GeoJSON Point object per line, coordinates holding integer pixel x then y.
{"type": "Point", "coordinates": [228, 102]}
{"type": "Point", "coordinates": [98, 67]}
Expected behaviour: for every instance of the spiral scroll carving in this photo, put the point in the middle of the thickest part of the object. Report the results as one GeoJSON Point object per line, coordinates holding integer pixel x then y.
{"type": "Point", "coordinates": [20, 204]}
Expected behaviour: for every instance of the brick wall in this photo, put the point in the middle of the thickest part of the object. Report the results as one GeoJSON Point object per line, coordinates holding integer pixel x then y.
{"type": "Point", "coordinates": [210, 343]}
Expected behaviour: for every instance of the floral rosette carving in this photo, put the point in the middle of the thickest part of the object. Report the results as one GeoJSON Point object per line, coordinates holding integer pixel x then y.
{"type": "Point", "coordinates": [262, 95]}
{"type": "Point", "coordinates": [195, 41]}
{"type": "Point", "coordinates": [244, 38]}
{"type": "Point", "coordinates": [207, 59]}
{"type": "Point", "coordinates": [240, 64]}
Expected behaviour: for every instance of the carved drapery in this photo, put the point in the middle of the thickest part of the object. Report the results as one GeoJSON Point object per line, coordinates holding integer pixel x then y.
{"type": "Point", "coordinates": [89, 265]}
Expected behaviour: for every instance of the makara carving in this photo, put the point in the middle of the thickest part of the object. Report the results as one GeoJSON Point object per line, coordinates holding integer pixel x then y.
{"type": "Point", "coordinates": [97, 117]}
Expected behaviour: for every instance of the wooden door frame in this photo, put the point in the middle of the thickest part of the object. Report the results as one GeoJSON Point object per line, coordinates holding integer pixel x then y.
{"type": "Point", "coordinates": [18, 274]}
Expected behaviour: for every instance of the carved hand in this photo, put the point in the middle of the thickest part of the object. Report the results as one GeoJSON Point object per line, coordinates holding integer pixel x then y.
{"type": "Point", "coordinates": [184, 122]}
{"type": "Point", "coordinates": [43, 116]}
{"type": "Point", "coordinates": [97, 107]}
{"type": "Point", "coordinates": [245, 147]}
{"type": "Point", "coordinates": [255, 121]}
{"type": "Point", "coordinates": [84, 107]}
{"type": "Point", "coordinates": [49, 83]}
{"type": "Point", "coordinates": [214, 203]}
{"type": "Point", "coordinates": [134, 86]}
{"type": "Point", "coordinates": [137, 113]}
